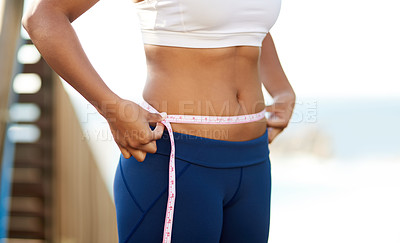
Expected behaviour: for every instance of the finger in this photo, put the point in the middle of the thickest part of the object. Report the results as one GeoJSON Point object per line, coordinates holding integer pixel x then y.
{"type": "Point", "coordinates": [144, 142]}
{"type": "Point", "coordinates": [269, 108]}
{"type": "Point", "coordinates": [277, 122]}
{"type": "Point", "coordinates": [124, 152]}
{"type": "Point", "coordinates": [158, 131]}
{"type": "Point", "coordinates": [274, 108]}
{"type": "Point", "coordinates": [148, 148]}
{"type": "Point", "coordinates": [152, 135]}
{"type": "Point", "coordinates": [139, 155]}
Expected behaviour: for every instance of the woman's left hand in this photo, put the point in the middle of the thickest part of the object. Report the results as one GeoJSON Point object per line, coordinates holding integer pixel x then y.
{"type": "Point", "coordinates": [280, 113]}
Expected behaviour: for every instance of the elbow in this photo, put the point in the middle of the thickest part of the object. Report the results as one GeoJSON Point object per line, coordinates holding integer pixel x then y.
{"type": "Point", "coordinates": [31, 23]}
{"type": "Point", "coordinates": [26, 21]}
{"type": "Point", "coordinates": [30, 20]}
{"type": "Point", "coordinates": [39, 22]}
{"type": "Point", "coordinates": [292, 95]}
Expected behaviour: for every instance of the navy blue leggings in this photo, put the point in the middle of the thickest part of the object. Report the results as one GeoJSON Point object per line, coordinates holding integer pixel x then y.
{"type": "Point", "coordinates": [227, 203]}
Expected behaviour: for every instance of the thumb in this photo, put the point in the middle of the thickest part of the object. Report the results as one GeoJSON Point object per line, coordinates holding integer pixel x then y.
{"type": "Point", "coordinates": [154, 117]}
{"type": "Point", "coordinates": [277, 122]}
{"type": "Point", "coordinates": [270, 108]}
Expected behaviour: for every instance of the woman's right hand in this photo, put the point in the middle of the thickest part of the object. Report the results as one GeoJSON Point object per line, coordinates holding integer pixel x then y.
{"type": "Point", "coordinates": [129, 124]}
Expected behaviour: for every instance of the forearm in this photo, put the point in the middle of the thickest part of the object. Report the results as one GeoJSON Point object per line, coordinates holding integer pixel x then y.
{"type": "Point", "coordinates": [51, 31]}
{"type": "Point", "coordinates": [271, 72]}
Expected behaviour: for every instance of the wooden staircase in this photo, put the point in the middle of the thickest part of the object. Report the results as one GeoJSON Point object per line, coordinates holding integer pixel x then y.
{"type": "Point", "coordinates": [31, 197]}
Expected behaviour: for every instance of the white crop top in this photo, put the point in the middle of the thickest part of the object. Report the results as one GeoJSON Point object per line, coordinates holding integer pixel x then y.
{"type": "Point", "coordinates": [206, 23]}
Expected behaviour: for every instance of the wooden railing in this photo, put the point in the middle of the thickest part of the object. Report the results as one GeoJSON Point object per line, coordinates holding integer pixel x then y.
{"type": "Point", "coordinates": [10, 22]}
{"type": "Point", "coordinates": [84, 210]}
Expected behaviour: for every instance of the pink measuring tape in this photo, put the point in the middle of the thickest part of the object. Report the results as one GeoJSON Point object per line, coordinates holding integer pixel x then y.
{"type": "Point", "coordinates": [168, 119]}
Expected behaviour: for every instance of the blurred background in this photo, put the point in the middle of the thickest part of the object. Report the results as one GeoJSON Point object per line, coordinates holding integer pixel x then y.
{"type": "Point", "coordinates": [335, 169]}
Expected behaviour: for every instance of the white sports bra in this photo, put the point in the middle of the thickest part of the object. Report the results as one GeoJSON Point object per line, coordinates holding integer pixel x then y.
{"type": "Point", "coordinates": [206, 23]}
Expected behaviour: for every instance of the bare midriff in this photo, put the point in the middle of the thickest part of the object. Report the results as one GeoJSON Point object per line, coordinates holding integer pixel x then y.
{"type": "Point", "coordinates": [207, 82]}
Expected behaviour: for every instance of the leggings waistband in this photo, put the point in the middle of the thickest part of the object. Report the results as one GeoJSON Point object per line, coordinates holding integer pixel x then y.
{"type": "Point", "coordinates": [215, 153]}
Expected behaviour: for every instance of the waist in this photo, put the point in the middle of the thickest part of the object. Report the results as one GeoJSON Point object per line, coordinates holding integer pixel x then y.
{"type": "Point", "coordinates": [209, 109]}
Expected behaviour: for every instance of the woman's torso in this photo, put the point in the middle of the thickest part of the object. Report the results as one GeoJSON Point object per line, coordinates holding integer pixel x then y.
{"type": "Point", "coordinates": [206, 81]}
{"type": "Point", "coordinates": [202, 59]}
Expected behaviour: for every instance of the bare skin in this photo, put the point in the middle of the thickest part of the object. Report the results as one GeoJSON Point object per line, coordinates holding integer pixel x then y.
{"type": "Point", "coordinates": [221, 81]}
{"type": "Point", "coordinates": [206, 81]}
